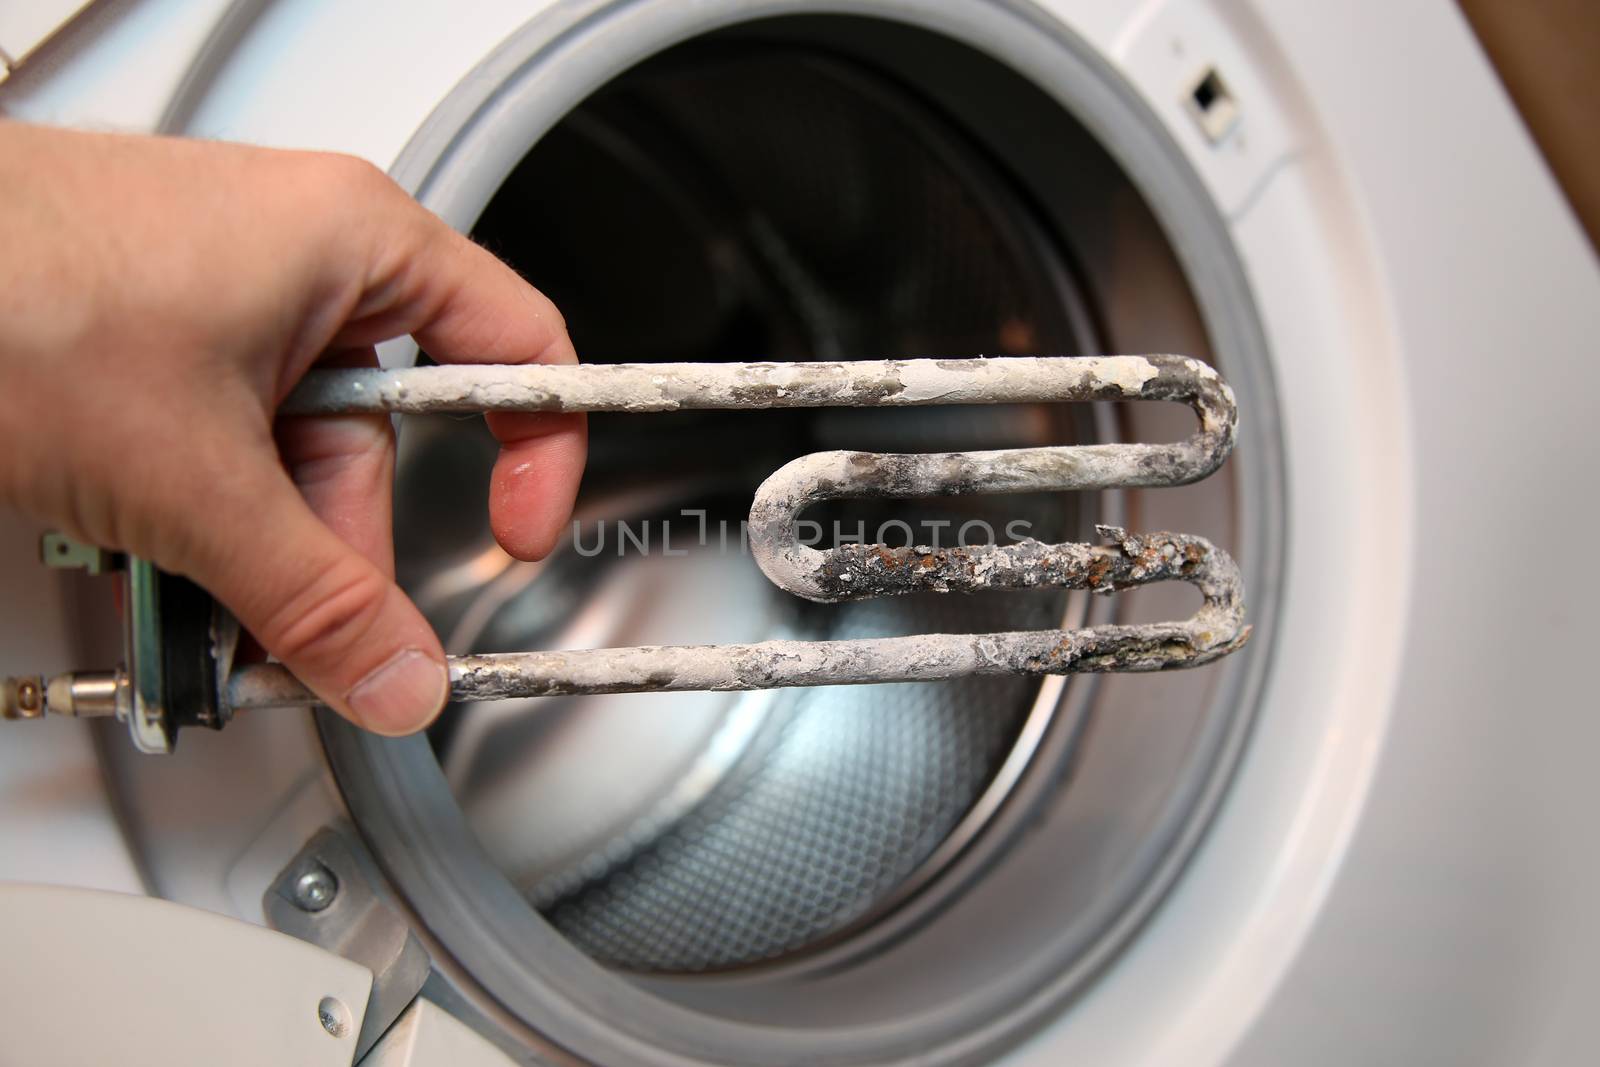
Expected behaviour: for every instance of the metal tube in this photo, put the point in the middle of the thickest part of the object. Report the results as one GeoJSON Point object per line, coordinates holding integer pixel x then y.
{"type": "Point", "coordinates": [646, 387]}
{"type": "Point", "coordinates": [1212, 632]}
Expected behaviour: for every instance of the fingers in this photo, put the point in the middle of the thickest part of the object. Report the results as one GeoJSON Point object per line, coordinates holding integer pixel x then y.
{"type": "Point", "coordinates": [487, 313]}
{"type": "Point", "coordinates": [465, 306]}
{"type": "Point", "coordinates": [344, 468]}
{"type": "Point", "coordinates": [319, 604]}
{"type": "Point", "coordinates": [460, 302]}
{"type": "Point", "coordinates": [535, 480]}
{"type": "Point", "coordinates": [503, 319]}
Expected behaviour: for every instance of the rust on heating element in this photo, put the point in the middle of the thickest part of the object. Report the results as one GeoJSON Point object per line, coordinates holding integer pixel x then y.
{"type": "Point", "coordinates": [861, 571]}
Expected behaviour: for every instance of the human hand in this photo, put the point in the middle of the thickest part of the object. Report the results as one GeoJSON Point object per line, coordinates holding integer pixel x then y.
{"type": "Point", "coordinates": [160, 297]}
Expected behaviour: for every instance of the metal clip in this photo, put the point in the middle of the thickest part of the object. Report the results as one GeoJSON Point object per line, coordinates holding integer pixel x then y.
{"type": "Point", "coordinates": [855, 571]}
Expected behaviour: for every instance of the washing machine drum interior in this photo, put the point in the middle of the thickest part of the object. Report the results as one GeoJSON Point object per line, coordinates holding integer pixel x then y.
{"type": "Point", "coordinates": [809, 190]}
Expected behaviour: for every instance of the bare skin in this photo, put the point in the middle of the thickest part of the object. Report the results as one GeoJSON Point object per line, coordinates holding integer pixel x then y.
{"type": "Point", "coordinates": [159, 297]}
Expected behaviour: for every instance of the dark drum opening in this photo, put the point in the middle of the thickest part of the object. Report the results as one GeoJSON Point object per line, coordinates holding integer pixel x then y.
{"type": "Point", "coordinates": [734, 201]}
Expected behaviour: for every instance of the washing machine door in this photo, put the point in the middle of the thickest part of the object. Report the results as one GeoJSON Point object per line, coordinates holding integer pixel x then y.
{"type": "Point", "coordinates": [1216, 866]}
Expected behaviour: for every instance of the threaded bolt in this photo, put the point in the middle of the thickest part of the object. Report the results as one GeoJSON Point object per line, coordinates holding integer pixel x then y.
{"type": "Point", "coordinates": [22, 698]}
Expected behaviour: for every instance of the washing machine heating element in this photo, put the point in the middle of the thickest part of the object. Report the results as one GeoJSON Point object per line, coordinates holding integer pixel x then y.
{"type": "Point", "coordinates": [850, 571]}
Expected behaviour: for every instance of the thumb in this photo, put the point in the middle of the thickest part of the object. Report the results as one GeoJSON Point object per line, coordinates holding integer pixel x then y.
{"type": "Point", "coordinates": [324, 610]}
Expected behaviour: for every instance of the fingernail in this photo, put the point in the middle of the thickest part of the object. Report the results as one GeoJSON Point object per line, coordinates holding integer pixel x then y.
{"type": "Point", "coordinates": [402, 696]}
